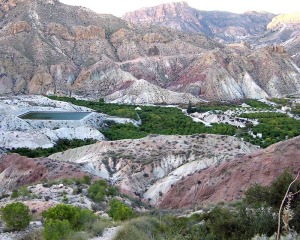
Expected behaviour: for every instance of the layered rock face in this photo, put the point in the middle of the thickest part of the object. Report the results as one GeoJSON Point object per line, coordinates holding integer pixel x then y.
{"type": "Point", "coordinates": [47, 47]}
{"type": "Point", "coordinates": [220, 25]}
{"type": "Point", "coordinates": [228, 181]}
{"type": "Point", "coordinates": [147, 168]}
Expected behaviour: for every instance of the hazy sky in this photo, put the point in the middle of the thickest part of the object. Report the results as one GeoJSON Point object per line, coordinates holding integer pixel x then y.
{"type": "Point", "coordinates": [119, 7]}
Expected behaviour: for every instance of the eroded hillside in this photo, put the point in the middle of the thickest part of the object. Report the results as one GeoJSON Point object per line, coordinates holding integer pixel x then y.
{"type": "Point", "coordinates": [228, 181]}
{"type": "Point", "coordinates": [149, 167]}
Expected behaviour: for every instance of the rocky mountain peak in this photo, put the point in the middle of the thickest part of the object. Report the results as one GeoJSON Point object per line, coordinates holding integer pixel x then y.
{"type": "Point", "coordinates": [176, 4]}
{"type": "Point", "coordinates": [47, 47]}
{"type": "Point", "coordinates": [284, 19]}
{"type": "Point", "coordinates": [158, 13]}
{"type": "Point", "coordinates": [6, 5]}
{"type": "Point", "coordinates": [221, 25]}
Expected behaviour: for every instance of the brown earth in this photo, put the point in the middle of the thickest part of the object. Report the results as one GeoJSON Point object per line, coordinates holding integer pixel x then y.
{"type": "Point", "coordinates": [16, 171]}
{"type": "Point", "coordinates": [230, 180]}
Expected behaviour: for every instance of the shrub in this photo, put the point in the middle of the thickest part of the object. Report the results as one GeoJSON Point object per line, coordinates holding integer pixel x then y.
{"type": "Point", "coordinates": [86, 219]}
{"type": "Point", "coordinates": [256, 194]}
{"type": "Point", "coordinates": [97, 193]}
{"type": "Point", "coordinates": [130, 232]}
{"type": "Point", "coordinates": [271, 195]}
{"type": "Point", "coordinates": [55, 229]}
{"type": "Point", "coordinates": [145, 228]}
{"type": "Point", "coordinates": [119, 210]}
{"type": "Point", "coordinates": [76, 217]}
{"type": "Point", "coordinates": [15, 194]}
{"type": "Point", "coordinates": [78, 236]}
{"type": "Point", "coordinates": [86, 180]}
{"type": "Point", "coordinates": [99, 226]}
{"type": "Point", "coordinates": [112, 191]}
{"type": "Point", "coordinates": [37, 234]}
{"type": "Point", "coordinates": [16, 216]}
{"type": "Point", "coordinates": [98, 190]}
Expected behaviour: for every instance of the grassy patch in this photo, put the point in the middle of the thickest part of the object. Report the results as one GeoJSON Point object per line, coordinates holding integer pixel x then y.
{"type": "Point", "coordinates": [274, 127]}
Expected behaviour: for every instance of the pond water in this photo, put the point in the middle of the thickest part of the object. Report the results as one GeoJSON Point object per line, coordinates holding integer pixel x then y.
{"type": "Point", "coordinates": [54, 115]}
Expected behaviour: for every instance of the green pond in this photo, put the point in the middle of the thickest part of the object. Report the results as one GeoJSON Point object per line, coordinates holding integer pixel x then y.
{"type": "Point", "coordinates": [54, 115]}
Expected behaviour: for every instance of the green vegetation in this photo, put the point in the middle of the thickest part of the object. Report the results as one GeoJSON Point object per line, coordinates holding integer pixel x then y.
{"type": "Point", "coordinates": [155, 120]}
{"type": "Point", "coordinates": [55, 229]}
{"type": "Point", "coordinates": [75, 216]}
{"type": "Point", "coordinates": [295, 107]}
{"type": "Point", "coordinates": [142, 228]}
{"type": "Point", "coordinates": [21, 192]}
{"type": "Point", "coordinates": [165, 121]}
{"type": "Point", "coordinates": [86, 180]}
{"type": "Point", "coordinates": [257, 104]}
{"type": "Point", "coordinates": [67, 222]}
{"type": "Point", "coordinates": [61, 145]}
{"type": "Point", "coordinates": [68, 217]}
{"type": "Point", "coordinates": [16, 216]}
{"type": "Point", "coordinates": [119, 211]}
{"type": "Point", "coordinates": [274, 127]}
{"type": "Point", "coordinates": [123, 131]}
{"type": "Point", "coordinates": [255, 215]}
{"type": "Point", "coordinates": [280, 101]}
{"type": "Point", "coordinates": [217, 224]}
{"type": "Point", "coordinates": [271, 196]}
{"type": "Point", "coordinates": [99, 189]}
{"type": "Point", "coordinates": [212, 106]}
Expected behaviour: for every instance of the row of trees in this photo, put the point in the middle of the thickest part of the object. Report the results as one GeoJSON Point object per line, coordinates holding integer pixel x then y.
{"type": "Point", "coordinates": [274, 127]}
{"type": "Point", "coordinates": [166, 121]}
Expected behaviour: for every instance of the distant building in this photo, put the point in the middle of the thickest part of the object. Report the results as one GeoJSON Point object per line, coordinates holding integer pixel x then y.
{"type": "Point", "coordinates": [286, 109]}
{"type": "Point", "coordinates": [259, 135]}
{"type": "Point", "coordinates": [244, 105]}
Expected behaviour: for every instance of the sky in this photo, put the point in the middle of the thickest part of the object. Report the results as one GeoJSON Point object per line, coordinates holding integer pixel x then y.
{"type": "Point", "coordinates": [119, 7]}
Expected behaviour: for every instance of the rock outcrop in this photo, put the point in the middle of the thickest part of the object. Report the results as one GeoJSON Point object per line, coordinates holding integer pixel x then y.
{"type": "Point", "coordinates": [228, 181]}
{"type": "Point", "coordinates": [283, 19]}
{"type": "Point", "coordinates": [283, 30]}
{"type": "Point", "coordinates": [221, 25]}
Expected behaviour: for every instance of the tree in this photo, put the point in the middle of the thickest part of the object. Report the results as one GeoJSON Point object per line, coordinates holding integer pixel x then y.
{"type": "Point", "coordinates": [16, 216]}
{"type": "Point", "coordinates": [189, 108]}
{"type": "Point", "coordinates": [119, 210]}
{"type": "Point", "coordinates": [256, 195]}
{"type": "Point", "coordinates": [64, 212]}
{"type": "Point", "coordinates": [76, 217]}
{"type": "Point", "coordinates": [97, 190]}
{"type": "Point", "coordinates": [56, 229]}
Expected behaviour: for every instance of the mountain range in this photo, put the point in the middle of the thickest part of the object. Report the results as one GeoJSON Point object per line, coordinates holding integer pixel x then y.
{"type": "Point", "coordinates": [224, 26]}
{"type": "Point", "coordinates": [51, 48]}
